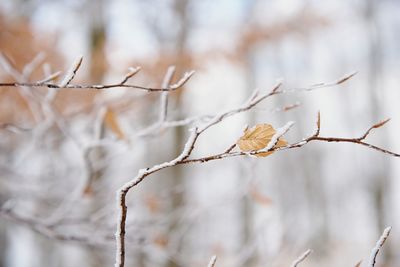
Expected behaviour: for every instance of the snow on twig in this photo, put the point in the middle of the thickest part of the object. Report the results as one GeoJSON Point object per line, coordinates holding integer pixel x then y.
{"type": "Point", "coordinates": [378, 246]}
{"type": "Point", "coordinates": [301, 258]}
{"type": "Point", "coordinates": [212, 261]}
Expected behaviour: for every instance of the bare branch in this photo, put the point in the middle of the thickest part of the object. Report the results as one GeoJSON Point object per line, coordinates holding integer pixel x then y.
{"type": "Point", "coordinates": [229, 149]}
{"type": "Point", "coordinates": [182, 158]}
{"type": "Point", "coordinates": [70, 75]}
{"type": "Point", "coordinates": [346, 77]}
{"type": "Point", "coordinates": [132, 72]}
{"type": "Point", "coordinates": [143, 173]}
{"type": "Point", "coordinates": [358, 140]}
{"type": "Point", "coordinates": [301, 258]}
{"type": "Point", "coordinates": [205, 122]}
{"type": "Point", "coordinates": [378, 246]}
{"type": "Point", "coordinates": [375, 126]}
{"type": "Point", "coordinates": [254, 99]}
{"type": "Point", "coordinates": [322, 85]}
{"type": "Point", "coordinates": [183, 80]}
{"type": "Point", "coordinates": [291, 146]}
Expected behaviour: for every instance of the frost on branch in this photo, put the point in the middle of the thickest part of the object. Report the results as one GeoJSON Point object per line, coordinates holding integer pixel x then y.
{"type": "Point", "coordinates": [260, 140]}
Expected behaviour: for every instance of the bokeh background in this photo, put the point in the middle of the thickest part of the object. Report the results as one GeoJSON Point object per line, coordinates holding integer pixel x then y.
{"type": "Point", "coordinates": [57, 189]}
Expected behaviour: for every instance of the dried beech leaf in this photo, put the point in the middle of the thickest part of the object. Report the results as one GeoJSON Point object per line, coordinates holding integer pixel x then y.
{"type": "Point", "coordinates": [281, 143]}
{"type": "Point", "coordinates": [257, 138]}
{"type": "Point", "coordinates": [111, 122]}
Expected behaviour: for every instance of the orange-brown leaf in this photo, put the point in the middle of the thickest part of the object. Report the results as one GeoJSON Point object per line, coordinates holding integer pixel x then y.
{"type": "Point", "coordinates": [257, 138]}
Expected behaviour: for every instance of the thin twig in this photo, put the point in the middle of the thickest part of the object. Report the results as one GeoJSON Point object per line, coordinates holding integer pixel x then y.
{"type": "Point", "coordinates": [322, 85]}
{"type": "Point", "coordinates": [189, 146]}
{"type": "Point", "coordinates": [143, 173]}
{"type": "Point", "coordinates": [186, 76]}
{"type": "Point", "coordinates": [378, 246]}
{"type": "Point", "coordinates": [313, 137]}
{"type": "Point", "coordinates": [89, 86]}
{"type": "Point", "coordinates": [65, 83]}
{"type": "Point", "coordinates": [375, 126]}
{"type": "Point", "coordinates": [71, 72]}
{"type": "Point", "coordinates": [301, 258]}
{"type": "Point", "coordinates": [132, 72]}
{"type": "Point", "coordinates": [155, 127]}
{"type": "Point", "coordinates": [212, 261]}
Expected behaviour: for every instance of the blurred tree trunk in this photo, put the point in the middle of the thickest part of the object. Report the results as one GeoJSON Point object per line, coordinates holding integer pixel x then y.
{"type": "Point", "coordinates": [246, 208]}
{"type": "Point", "coordinates": [97, 70]}
{"type": "Point", "coordinates": [181, 10]}
{"type": "Point", "coordinates": [246, 218]}
{"type": "Point", "coordinates": [174, 47]}
{"type": "Point", "coordinates": [380, 172]}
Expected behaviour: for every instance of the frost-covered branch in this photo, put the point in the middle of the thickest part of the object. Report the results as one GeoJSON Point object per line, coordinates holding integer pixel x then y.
{"type": "Point", "coordinates": [201, 124]}
{"type": "Point", "coordinates": [254, 99]}
{"type": "Point", "coordinates": [357, 140]}
{"type": "Point", "coordinates": [132, 72]}
{"type": "Point", "coordinates": [212, 261]}
{"type": "Point", "coordinates": [322, 85]}
{"type": "Point", "coordinates": [71, 73]}
{"type": "Point", "coordinates": [182, 158]}
{"type": "Point", "coordinates": [301, 258]}
{"type": "Point", "coordinates": [378, 246]}
{"type": "Point", "coordinates": [229, 152]}
{"type": "Point", "coordinates": [154, 128]}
